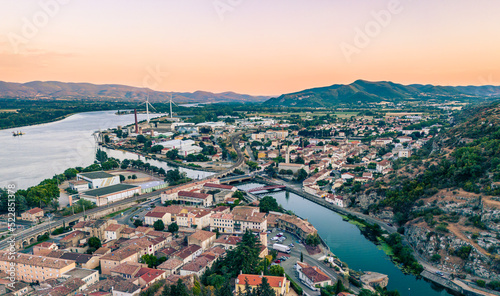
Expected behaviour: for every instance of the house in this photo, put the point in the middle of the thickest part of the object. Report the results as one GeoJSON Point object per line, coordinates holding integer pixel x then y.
{"type": "Point", "coordinates": [148, 276]}
{"type": "Point", "coordinates": [202, 238]}
{"type": "Point", "coordinates": [336, 200]}
{"type": "Point", "coordinates": [280, 284]}
{"type": "Point", "coordinates": [347, 176]}
{"type": "Point", "coordinates": [197, 267]}
{"type": "Point", "coordinates": [126, 270]}
{"type": "Point", "coordinates": [227, 242]}
{"type": "Point", "coordinates": [312, 276]}
{"type": "Point", "coordinates": [222, 222]}
{"type": "Point", "coordinates": [171, 266]}
{"type": "Point", "coordinates": [249, 218]}
{"type": "Point", "coordinates": [33, 215]}
{"type": "Point", "coordinates": [79, 186]}
{"type": "Point", "coordinates": [113, 231]}
{"type": "Point", "coordinates": [295, 225]}
{"type": "Point", "coordinates": [84, 261]}
{"type": "Point", "coordinates": [151, 217]}
{"type": "Point", "coordinates": [72, 239]}
{"type": "Point", "coordinates": [13, 288]}
{"type": "Point", "coordinates": [96, 228]}
{"type": "Point", "coordinates": [123, 255]}
{"type": "Point", "coordinates": [198, 218]}
{"type": "Point", "coordinates": [98, 179]}
{"type": "Point", "coordinates": [125, 288]}
{"type": "Point", "coordinates": [44, 246]}
{"type": "Point", "coordinates": [383, 165]}
{"type": "Point", "coordinates": [89, 276]}
{"type": "Point", "coordinates": [188, 253]}
{"type": "Point", "coordinates": [195, 198]}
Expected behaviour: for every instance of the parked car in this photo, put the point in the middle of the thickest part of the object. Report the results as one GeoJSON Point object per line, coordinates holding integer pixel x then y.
{"type": "Point", "coordinates": [280, 234]}
{"type": "Point", "coordinates": [135, 217]}
{"type": "Point", "coordinates": [291, 245]}
{"type": "Point", "coordinates": [277, 261]}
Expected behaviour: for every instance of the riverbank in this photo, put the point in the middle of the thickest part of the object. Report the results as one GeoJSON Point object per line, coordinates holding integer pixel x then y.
{"type": "Point", "coordinates": [344, 213]}
{"type": "Point", "coordinates": [41, 122]}
{"type": "Point", "coordinates": [168, 161]}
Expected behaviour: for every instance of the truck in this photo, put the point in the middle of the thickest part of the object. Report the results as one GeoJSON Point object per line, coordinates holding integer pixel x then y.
{"type": "Point", "coordinates": [281, 248]}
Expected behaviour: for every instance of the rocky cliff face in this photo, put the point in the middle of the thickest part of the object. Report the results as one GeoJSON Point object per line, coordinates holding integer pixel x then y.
{"type": "Point", "coordinates": [427, 243]}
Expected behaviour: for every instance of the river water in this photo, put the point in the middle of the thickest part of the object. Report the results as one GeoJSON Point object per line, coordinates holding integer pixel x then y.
{"type": "Point", "coordinates": [346, 241]}
{"type": "Point", "coordinates": [48, 149]}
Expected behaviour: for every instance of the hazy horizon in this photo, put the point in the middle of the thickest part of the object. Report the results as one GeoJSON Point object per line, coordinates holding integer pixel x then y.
{"type": "Point", "coordinates": [250, 47]}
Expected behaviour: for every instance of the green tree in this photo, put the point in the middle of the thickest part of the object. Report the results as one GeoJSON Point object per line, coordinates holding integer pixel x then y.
{"type": "Point", "coordinates": [70, 173]}
{"type": "Point", "coordinates": [313, 240]}
{"type": "Point", "coordinates": [141, 139]}
{"type": "Point", "coordinates": [122, 178]}
{"type": "Point", "coordinates": [101, 156]}
{"type": "Point", "coordinates": [276, 270]}
{"type": "Point", "coordinates": [159, 225]}
{"type": "Point", "coordinates": [95, 242]}
{"type": "Point", "coordinates": [301, 257]}
{"type": "Point", "coordinates": [137, 222]}
{"type": "Point", "coordinates": [173, 154]}
{"type": "Point", "coordinates": [301, 175]}
{"type": "Point", "coordinates": [173, 227]}
{"type": "Point", "coordinates": [264, 289]}
{"type": "Point", "coordinates": [268, 203]}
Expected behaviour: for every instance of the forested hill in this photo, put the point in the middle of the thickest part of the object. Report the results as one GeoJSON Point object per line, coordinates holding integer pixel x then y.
{"type": "Point", "coordinates": [362, 91]}
{"type": "Point", "coordinates": [465, 157]}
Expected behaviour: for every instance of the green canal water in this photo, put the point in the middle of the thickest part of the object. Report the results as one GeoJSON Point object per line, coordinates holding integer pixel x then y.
{"type": "Point", "coordinates": [346, 241]}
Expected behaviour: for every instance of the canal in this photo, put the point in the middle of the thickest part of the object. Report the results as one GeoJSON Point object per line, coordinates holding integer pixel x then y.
{"type": "Point", "coordinates": [346, 241]}
{"type": "Point", "coordinates": [48, 149]}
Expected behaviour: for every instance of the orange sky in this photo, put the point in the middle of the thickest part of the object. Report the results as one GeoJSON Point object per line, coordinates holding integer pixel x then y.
{"type": "Point", "coordinates": [250, 46]}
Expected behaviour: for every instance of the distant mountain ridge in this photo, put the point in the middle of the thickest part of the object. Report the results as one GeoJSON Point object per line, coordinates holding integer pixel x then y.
{"type": "Point", "coordinates": [114, 92]}
{"type": "Point", "coordinates": [376, 92]}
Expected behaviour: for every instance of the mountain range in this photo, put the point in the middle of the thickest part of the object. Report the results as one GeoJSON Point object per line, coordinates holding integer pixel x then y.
{"type": "Point", "coordinates": [376, 92]}
{"type": "Point", "coordinates": [114, 92]}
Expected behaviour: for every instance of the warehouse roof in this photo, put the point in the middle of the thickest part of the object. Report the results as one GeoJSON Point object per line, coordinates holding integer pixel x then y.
{"type": "Point", "coordinates": [109, 189]}
{"type": "Point", "coordinates": [96, 175]}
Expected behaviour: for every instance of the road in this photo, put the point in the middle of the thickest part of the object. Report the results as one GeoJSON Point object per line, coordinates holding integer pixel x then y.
{"type": "Point", "coordinates": [41, 228]}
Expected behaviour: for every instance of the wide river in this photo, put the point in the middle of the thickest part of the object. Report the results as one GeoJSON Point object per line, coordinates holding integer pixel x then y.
{"type": "Point", "coordinates": [48, 149]}
{"type": "Point", "coordinates": [346, 241]}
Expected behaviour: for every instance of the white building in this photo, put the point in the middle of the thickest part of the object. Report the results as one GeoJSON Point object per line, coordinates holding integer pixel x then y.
{"type": "Point", "coordinates": [98, 179]}
{"type": "Point", "coordinates": [104, 195]}
{"type": "Point", "coordinates": [222, 222]}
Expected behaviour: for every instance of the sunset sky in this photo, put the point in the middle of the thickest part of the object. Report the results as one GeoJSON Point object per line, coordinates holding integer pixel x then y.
{"type": "Point", "coordinates": [250, 46]}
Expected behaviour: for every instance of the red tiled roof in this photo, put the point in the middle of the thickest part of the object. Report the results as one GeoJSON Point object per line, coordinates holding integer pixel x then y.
{"type": "Point", "coordinates": [193, 194]}
{"type": "Point", "coordinates": [219, 186]}
{"type": "Point", "coordinates": [255, 280]}
{"type": "Point", "coordinates": [35, 210]}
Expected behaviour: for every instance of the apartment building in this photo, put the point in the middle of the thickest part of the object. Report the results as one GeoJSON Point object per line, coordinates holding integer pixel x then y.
{"type": "Point", "coordinates": [30, 268]}
{"type": "Point", "coordinates": [222, 222]}
{"type": "Point", "coordinates": [111, 260]}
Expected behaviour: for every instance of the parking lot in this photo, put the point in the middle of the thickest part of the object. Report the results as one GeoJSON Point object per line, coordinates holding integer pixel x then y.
{"type": "Point", "coordinates": [294, 256]}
